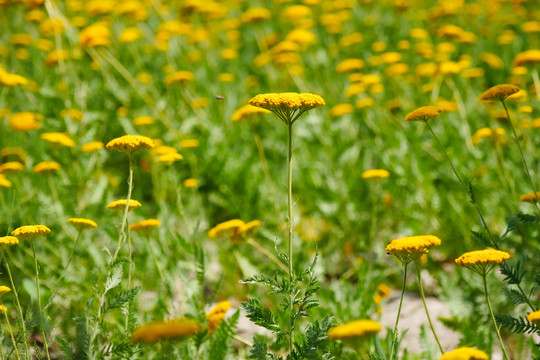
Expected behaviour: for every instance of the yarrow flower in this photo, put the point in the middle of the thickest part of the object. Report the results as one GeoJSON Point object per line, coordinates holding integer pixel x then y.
{"type": "Point", "coordinates": [6, 241]}
{"type": "Point", "coordinates": [130, 143]}
{"type": "Point", "coordinates": [234, 227]}
{"type": "Point", "coordinates": [465, 353]}
{"type": "Point", "coordinates": [145, 226]}
{"type": "Point", "coordinates": [248, 111]}
{"type": "Point", "coordinates": [534, 317]}
{"type": "Point", "coordinates": [217, 314]}
{"type": "Point", "coordinates": [190, 183]}
{"type": "Point", "coordinates": [177, 329]}
{"type": "Point", "coordinates": [189, 143]}
{"type": "Point", "coordinates": [4, 290]}
{"type": "Point", "coordinates": [169, 158]}
{"type": "Point", "coordinates": [3, 309]}
{"type": "Point", "coordinates": [530, 197]}
{"type": "Point", "coordinates": [287, 106]}
{"type": "Point", "coordinates": [412, 247]}
{"type": "Point", "coordinates": [527, 57]}
{"type": "Point", "coordinates": [12, 166]}
{"type": "Point", "coordinates": [92, 146]}
{"type": "Point", "coordinates": [29, 232]}
{"type": "Point", "coordinates": [499, 92]}
{"type": "Point", "coordinates": [375, 174]}
{"type": "Point", "coordinates": [482, 261]}
{"type": "Point", "coordinates": [58, 138]}
{"type": "Point", "coordinates": [423, 113]}
{"type": "Point", "coordinates": [120, 205]}
{"type": "Point", "coordinates": [496, 135]}
{"type": "Point", "coordinates": [353, 329]}
{"type": "Point", "coordinates": [4, 182]}
{"type": "Point", "coordinates": [82, 224]}
{"type": "Point", "coordinates": [46, 167]}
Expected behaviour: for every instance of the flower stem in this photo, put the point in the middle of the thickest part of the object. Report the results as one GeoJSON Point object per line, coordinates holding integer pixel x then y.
{"type": "Point", "coordinates": [290, 237]}
{"type": "Point", "coordinates": [464, 186]}
{"type": "Point", "coordinates": [267, 253]}
{"type": "Point", "coordinates": [123, 235]}
{"type": "Point", "coordinates": [396, 334]}
{"type": "Point", "coordinates": [521, 152]}
{"type": "Point", "coordinates": [421, 288]}
{"type": "Point", "coordinates": [493, 317]}
{"type": "Point", "coordinates": [12, 338]}
{"type": "Point", "coordinates": [45, 345]}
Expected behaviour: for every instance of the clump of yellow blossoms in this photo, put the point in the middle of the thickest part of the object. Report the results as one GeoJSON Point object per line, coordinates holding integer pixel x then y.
{"type": "Point", "coordinates": [82, 224]}
{"type": "Point", "coordinates": [499, 92]}
{"type": "Point", "coordinates": [375, 174]}
{"type": "Point", "coordinates": [423, 113]}
{"type": "Point", "coordinates": [189, 143]}
{"type": "Point", "coordinates": [145, 226]}
{"type": "Point", "coordinates": [235, 227]}
{"type": "Point", "coordinates": [248, 111]}
{"type": "Point", "coordinates": [58, 138]}
{"type": "Point", "coordinates": [12, 166]}
{"type": "Point", "coordinates": [179, 77]}
{"type": "Point", "coordinates": [46, 167]}
{"type": "Point", "coordinates": [534, 317]}
{"type": "Point", "coordinates": [217, 314]}
{"type": "Point", "coordinates": [411, 247]}
{"type": "Point", "coordinates": [176, 329]}
{"type": "Point", "coordinates": [169, 158]}
{"type": "Point", "coordinates": [479, 257]}
{"type": "Point", "coordinates": [92, 146]}
{"type": "Point", "coordinates": [287, 106]}
{"type": "Point", "coordinates": [24, 121]}
{"type": "Point", "coordinates": [353, 329]}
{"type": "Point", "coordinates": [97, 34]}
{"type": "Point", "coordinates": [6, 241]}
{"type": "Point", "coordinates": [29, 232]}
{"type": "Point", "coordinates": [527, 57]}
{"type": "Point", "coordinates": [495, 135]}
{"type": "Point", "coordinates": [530, 197]}
{"type": "Point", "coordinates": [4, 290]}
{"type": "Point", "coordinates": [130, 143]}
{"type": "Point", "coordinates": [120, 205]}
{"type": "Point", "coordinates": [465, 353]}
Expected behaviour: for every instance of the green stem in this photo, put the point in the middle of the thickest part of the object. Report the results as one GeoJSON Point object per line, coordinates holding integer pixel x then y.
{"type": "Point", "coordinates": [123, 235]}
{"type": "Point", "coordinates": [521, 152]}
{"type": "Point", "coordinates": [12, 338]}
{"type": "Point", "coordinates": [493, 317]}
{"type": "Point", "coordinates": [484, 224]}
{"type": "Point", "coordinates": [19, 307]}
{"type": "Point", "coordinates": [267, 253]}
{"type": "Point", "coordinates": [289, 216]}
{"type": "Point", "coordinates": [421, 288]}
{"type": "Point", "coordinates": [396, 334]}
{"type": "Point", "coordinates": [45, 345]}
{"type": "Point", "coordinates": [153, 254]}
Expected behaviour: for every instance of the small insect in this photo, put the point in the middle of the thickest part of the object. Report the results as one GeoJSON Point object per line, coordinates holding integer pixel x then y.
{"type": "Point", "coordinates": [219, 97]}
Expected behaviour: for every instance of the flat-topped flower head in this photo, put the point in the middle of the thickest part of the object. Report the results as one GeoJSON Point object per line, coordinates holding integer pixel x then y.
{"type": "Point", "coordinates": [170, 158]}
{"type": "Point", "coordinates": [92, 146]}
{"type": "Point", "coordinates": [482, 261]}
{"type": "Point", "coordinates": [527, 57]}
{"type": "Point", "coordinates": [248, 111]}
{"type": "Point", "coordinates": [424, 113]}
{"type": "Point", "coordinates": [82, 224]}
{"type": "Point", "coordinates": [176, 329]}
{"type": "Point", "coordinates": [130, 143]}
{"type": "Point", "coordinates": [145, 226]}
{"type": "Point", "coordinates": [46, 167]}
{"type": "Point", "coordinates": [217, 314]}
{"type": "Point", "coordinates": [120, 205]}
{"type": "Point", "coordinates": [234, 225]}
{"type": "Point", "coordinates": [58, 138]}
{"type": "Point", "coordinates": [375, 174]}
{"type": "Point", "coordinates": [6, 241]}
{"type": "Point", "coordinates": [534, 317]}
{"type": "Point", "coordinates": [11, 166]}
{"type": "Point", "coordinates": [4, 290]}
{"type": "Point", "coordinates": [30, 232]}
{"type": "Point", "coordinates": [465, 353]}
{"type": "Point", "coordinates": [354, 329]}
{"type": "Point", "coordinates": [530, 197]}
{"type": "Point", "coordinates": [499, 92]}
{"type": "Point", "coordinates": [287, 106]}
{"type": "Point", "coordinates": [411, 248]}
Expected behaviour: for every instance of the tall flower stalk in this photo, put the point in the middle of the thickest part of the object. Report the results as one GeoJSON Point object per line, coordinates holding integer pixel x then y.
{"type": "Point", "coordinates": [288, 107]}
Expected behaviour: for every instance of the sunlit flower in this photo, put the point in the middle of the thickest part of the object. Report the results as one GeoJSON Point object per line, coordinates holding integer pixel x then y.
{"type": "Point", "coordinates": [247, 111]}
{"type": "Point", "coordinates": [353, 329]}
{"type": "Point", "coordinates": [349, 65]}
{"type": "Point", "coordinates": [375, 174]}
{"type": "Point", "coordinates": [97, 34]}
{"type": "Point", "coordinates": [235, 225]}
{"type": "Point", "coordinates": [82, 224]}
{"type": "Point", "coordinates": [6, 241]}
{"type": "Point", "coordinates": [169, 158]}
{"type": "Point", "coordinates": [482, 261]}
{"type": "Point", "coordinates": [4, 290]}
{"type": "Point", "coordinates": [3, 309]}
{"type": "Point", "coordinates": [145, 226]}
{"type": "Point", "coordinates": [340, 110]}
{"type": "Point", "coordinates": [46, 167]}
{"type": "Point", "coordinates": [527, 57]}
{"type": "Point", "coordinates": [287, 106]}
{"type": "Point", "coordinates": [496, 135]}
{"type": "Point", "coordinates": [120, 205]}
{"type": "Point", "coordinates": [499, 92]}
{"type": "Point", "coordinates": [92, 146]}
{"type": "Point", "coordinates": [217, 314]}
{"type": "Point", "coordinates": [188, 143]}
{"type": "Point", "coordinates": [179, 77]}
{"type": "Point", "coordinates": [423, 113]}
{"type": "Point", "coordinates": [58, 138]}
{"type": "Point", "coordinates": [143, 120]}
{"type": "Point", "coordinates": [24, 121]}
{"type": "Point", "coordinates": [30, 232]}
{"type": "Point", "coordinates": [412, 247]}
{"type": "Point", "coordinates": [190, 183]}
{"type": "Point", "coordinates": [534, 317]}
{"type": "Point", "coordinates": [176, 329]}
{"type": "Point", "coordinates": [12, 166]}
{"type": "Point", "coordinates": [465, 353]}
{"type": "Point", "coordinates": [130, 143]}
{"type": "Point", "coordinates": [530, 197]}
{"type": "Point", "coordinates": [256, 15]}
{"type": "Point", "coordinates": [130, 35]}
{"type": "Point", "coordinates": [72, 113]}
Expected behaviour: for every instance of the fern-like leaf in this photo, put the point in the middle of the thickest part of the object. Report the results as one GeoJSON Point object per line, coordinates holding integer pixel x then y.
{"type": "Point", "coordinates": [517, 325]}
{"type": "Point", "coordinates": [514, 296]}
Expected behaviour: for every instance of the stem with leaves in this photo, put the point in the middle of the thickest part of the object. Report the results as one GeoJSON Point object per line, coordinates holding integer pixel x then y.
{"type": "Point", "coordinates": [289, 218]}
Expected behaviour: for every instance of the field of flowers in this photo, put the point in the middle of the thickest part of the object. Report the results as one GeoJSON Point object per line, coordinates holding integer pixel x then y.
{"type": "Point", "coordinates": [269, 179]}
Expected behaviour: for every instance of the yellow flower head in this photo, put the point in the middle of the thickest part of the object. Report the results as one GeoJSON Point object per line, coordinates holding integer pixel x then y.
{"type": "Point", "coordinates": [534, 317]}
{"type": "Point", "coordinates": [3, 309]}
{"type": "Point", "coordinates": [176, 329]}
{"type": "Point", "coordinates": [250, 226]}
{"type": "Point", "coordinates": [4, 182]}
{"type": "Point", "coordinates": [4, 290]}
{"type": "Point", "coordinates": [248, 111]}
{"type": "Point", "coordinates": [375, 174]}
{"type": "Point", "coordinates": [120, 205]}
{"type": "Point", "coordinates": [353, 329]}
{"type": "Point", "coordinates": [341, 109]}
{"type": "Point", "coordinates": [24, 121]}
{"type": "Point", "coordinates": [188, 143]}
{"type": "Point", "coordinates": [130, 143]}
{"type": "Point", "coordinates": [190, 183]}
{"type": "Point", "coordinates": [495, 135]}
{"type": "Point", "coordinates": [217, 314]}
{"type": "Point", "coordinates": [527, 57]}
{"type": "Point", "coordinates": [179, 77]}
{"type": "Point", "coordinates": [169, 158]}
{"type": "Point", "coordinates": [6, 241]}
{"type": "Point", "coordinates": [46, 167]}
{"type": "Point", "coordinates": [143, 120]}
{"type": "Point", "coordinates": [499, 92]}
{"type": "Point", "coordinates": [92, 146]}
{"type": "Point", "coordinates": [482, 261]}
{"type": "Point", "coordinates": [287, 106]}
{"type": "Point", "coordinates": [11, 166]}
{"type": "Point", "coordinates": [235, 225]}
{"type": "Point", "coordinates": [95, 35]}
{"type": "Point", "coordinates": [82, 224]}
{"type": "Point", "coordinates": [145, 226]}
{"type": "Point", "coordinates": [14, 150]}
{"type": "Point", "coordinates": [423, 113]}
{"type": "Point", "coordinates": [58, 138]}
{"type": "Point", "coordinates": [465, 353]}
{"type": "Point", "coordinates": [29, 232]}
{"type": "Point", "coordinates": [411, 247]}
{"type": "Point", "coordinates": [349, 65]}
{"type": "Point", "coordinates": [530, 197]}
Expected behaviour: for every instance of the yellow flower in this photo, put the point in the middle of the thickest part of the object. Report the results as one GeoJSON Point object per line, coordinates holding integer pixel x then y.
{"type": "Point", "coordinates": [11, 166]}
{"type": "Point", "coordinates": [530, 197]}
{"type": "Point", "coordinates": [9, 79]}
{"type": "Point", "coordinates": [375, 174]}
{"type": "Point", "coordinates": [341, 109]}
{"type": "Point", "coordinates": [6, 241]}
{"type": "Point", "coordinates": [217, 314]}
{"type": "Point", "coordinates": [95, 35]}
{"type": "Point", "coordinates": [527, 57]}
{"type": "Point", "coordinates": [349, 65]}
{"type": "Point", "coordinates": [145, 226]}
{"type": "Point", "coordinates": [189, 143]}
{"type": "Point", "coordinates": [179, 77]}
{"type": "Point", "coordinates": [24, 121]}
{"type": "Point", "coordinates": [130, 35]}
{"type": "Point", "coordinates": [176, 329]}
{"type": "Point", "coordinates": [465, 353]}
{"type": "Point", "coordinates": [256, 15]}
{"type": "Point", "coordinates": [162, 150]}
{"type": "Point", "coordinates": [92, 146]}
{"type": "Point", "coordinates": [56, 56]}
{"type": "Point", "coordinates": [130, 143]}
{"type": "Point", "coordinates": [423, 113]}
{"type": "Point", "coordinates": [353, 329]}
{"type": "Point", "coordinates": [249, 226]}
{"type": "Point", "coordinates": [4, 182]}
{"type": "Point", "coordinates": [82, 224]}
{"type": "Point", "coordinates": [3, 309]}
{"type": "Point", "coordinates": [29, 232]}
{"type": "Point", "coordinates": [411, 247]}
{"type": "Point", "coordinates": [72, 113]}
{"type": "Point", "coordinates": [384, 290]}
{"type": "Point", "coordinates": [235, 225]}
{"type": "Point", "coordinates": [287, 106]}
{"type": "Point", "coordinates": [495, 135]}
{"type": "Point", "coordinates": [4, 290]}
{"type": "Point", "coordinates": [499, 92]}
{"type": "Point", "coordinates": [58, 138]}
{"type": "Point", "coordinates": [534, 317]}
{"type": "Point", "coordinates": [143, 121]}
{"type": "Point", "coordinates": [46, 167]}
{"type": "Point", "coordinates": [482, 257]}
{"type": "Point", "coordinates": [169, 158]}
{"type": "Point", "coordinates": [225, 77]}
{"type": "Point", "coordinates": [120, 205]}
{"type": "Point", "coordinates": [248, 111]}
{"type": "Point", "coordinates": [14, 150]}
{"type": "Point", "coordinates": [190, 183]}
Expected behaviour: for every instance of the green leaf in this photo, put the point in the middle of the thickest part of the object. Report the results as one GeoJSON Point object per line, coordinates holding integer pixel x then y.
{"type": "Point", "coordinates": [259, 315]}
{"type": "Point", "coordinates": [516, 325]}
